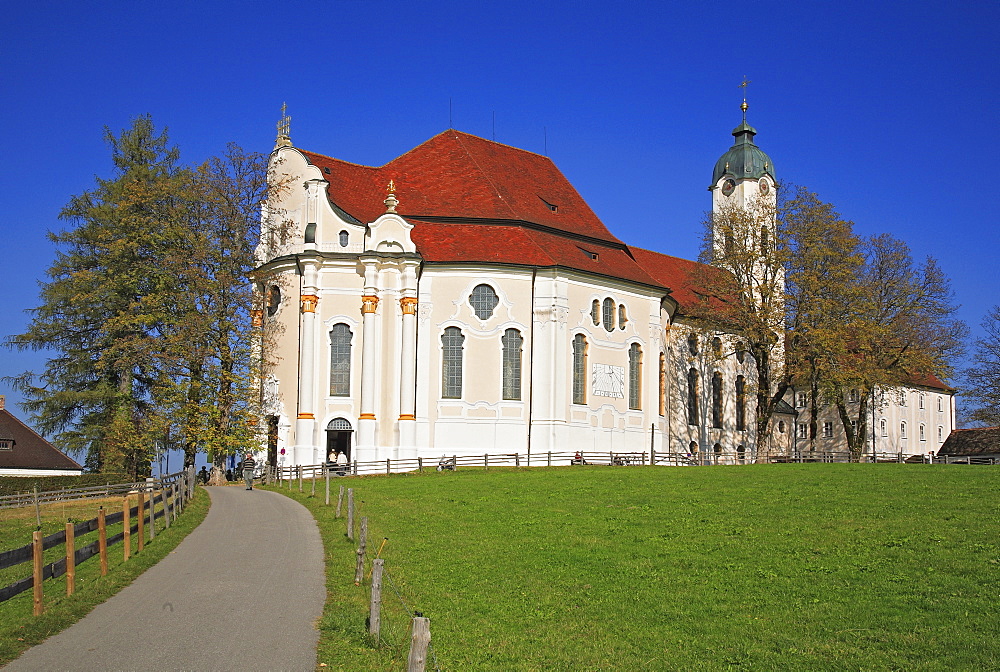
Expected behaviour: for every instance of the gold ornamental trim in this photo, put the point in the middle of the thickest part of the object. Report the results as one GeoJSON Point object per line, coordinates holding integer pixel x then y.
{"type": "Point", "coordinates": [366, 416]}
{"type": "Point", "coordinates": [409, 305]}
{"type": "Point", "coordinates": [407, 416]}
{"type": "Point", "coordinates": [309, 302]}
{"type": "Point", "coordinates": [369, 304]}
{"type": "Point", "coordinates": [306, 416]}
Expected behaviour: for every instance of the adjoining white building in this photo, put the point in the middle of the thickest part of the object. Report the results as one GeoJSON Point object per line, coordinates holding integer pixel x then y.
{"type": "Point", "coordinates": [464, 299]}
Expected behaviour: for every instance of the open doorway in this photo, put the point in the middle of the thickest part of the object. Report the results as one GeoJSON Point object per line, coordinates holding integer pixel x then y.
{"type": "Point", "coordinates": [338, 438]}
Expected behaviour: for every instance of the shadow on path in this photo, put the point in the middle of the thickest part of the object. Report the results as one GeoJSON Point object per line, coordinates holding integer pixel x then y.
{"type": "Point", "coordinates": [243, 591]}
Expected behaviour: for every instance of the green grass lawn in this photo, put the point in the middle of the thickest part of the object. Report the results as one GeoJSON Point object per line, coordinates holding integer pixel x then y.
{"type": "Point", "coordinates": [771, 567]}
{"type": "Point", "coordinates": [19, 629]}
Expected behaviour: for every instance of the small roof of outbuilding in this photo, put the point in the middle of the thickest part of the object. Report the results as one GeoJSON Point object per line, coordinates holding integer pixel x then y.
{"type": "Point", "coordinates": [971, 442]}
{"type": "Point", "coordinates": [28, 450]}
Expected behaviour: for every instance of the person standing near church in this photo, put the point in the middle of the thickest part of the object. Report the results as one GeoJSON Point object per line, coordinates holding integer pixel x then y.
{"type": "Point", "coordinates": [248, 466]}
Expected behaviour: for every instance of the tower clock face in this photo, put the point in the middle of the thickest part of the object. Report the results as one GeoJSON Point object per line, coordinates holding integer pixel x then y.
{"type": "Point", "coordinates": [728, 187]}
{"type": "Point", "coordinates": [764, 187]}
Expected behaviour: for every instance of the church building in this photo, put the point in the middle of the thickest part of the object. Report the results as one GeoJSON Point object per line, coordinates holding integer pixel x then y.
{"type": "Point", "coordinates": [464, 299]}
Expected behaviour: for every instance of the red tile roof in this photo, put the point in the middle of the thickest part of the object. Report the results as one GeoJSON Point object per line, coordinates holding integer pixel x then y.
{"type": "Point", "coordinates": [455, 174]}
{"type": "Point", "coordinates": [681, 275]}
{"type": "Point", "coordinates": [30, 451]}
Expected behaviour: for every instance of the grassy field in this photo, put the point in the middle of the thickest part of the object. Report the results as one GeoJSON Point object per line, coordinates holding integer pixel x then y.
{"type": "Point", "coordinates": [772, 567]}
{"type": "Point", "coordinates": [19, 629]}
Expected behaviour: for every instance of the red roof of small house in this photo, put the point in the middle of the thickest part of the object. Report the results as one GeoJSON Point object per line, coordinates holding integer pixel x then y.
{"type": "Point", "coordinates": [29, 450]}
{"type": "Point", "coordinates": [929, 380]}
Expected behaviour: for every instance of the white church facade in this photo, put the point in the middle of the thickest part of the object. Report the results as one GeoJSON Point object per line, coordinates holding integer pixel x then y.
{"type": "Point", "coordinates": [463, 299]}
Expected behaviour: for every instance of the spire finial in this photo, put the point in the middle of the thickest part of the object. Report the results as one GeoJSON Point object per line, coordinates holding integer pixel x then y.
{"type": "Point", "coordinates": [284, 128]}
{"type": "Point", "coordinates": [743, 85]}
{"type": "Point", "coordinates": [390, 200]}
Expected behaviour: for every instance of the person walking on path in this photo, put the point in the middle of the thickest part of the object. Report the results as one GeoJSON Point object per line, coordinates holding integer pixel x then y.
{"type": "Point", "coordinates": [248, 466]}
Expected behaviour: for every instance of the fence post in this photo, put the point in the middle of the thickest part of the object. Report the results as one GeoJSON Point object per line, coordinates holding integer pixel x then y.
{"type": "Point", "coordinates": [420, 463]}
{"type": "Point", "coordinates": [166, 506]}
{"type": "Point", "coordinates": [350, 514]}
{"type": "Point", "coordinates": [374, 614]}
{"type": "Point", "coordinates": [127, 529]}
{"type": "Point", "coordinates": [38, 510]}
{"type": "Point", "coordinates": [517, 460]}
{"type": "Point", "coordinates": [313, 470]}
{"type": "Point", "coordinates": [486, 462]}
{"type": "Point", "coordinates": [152, 512]}
{"type": "Point", "coordinates": [549, 463]}
{"type": "Point", "coordinates": [419, 641]}
{"type": "Point", "coordinates": [340, 501]}
{"type": "Point", "coordinates": [359, 569]}
{"type": "Point", "coordinates": [300, 478]}
{"type": "Point", "coordinates": [142, 522]}
{"type": "Point", "coordinates": [326, 474]}
{"type": "Point", "coordinates": [70, 559]}
{"type": "Point", "coordinates": [102, 541]}
{"type": "Point", "coordinates": [36, 556]}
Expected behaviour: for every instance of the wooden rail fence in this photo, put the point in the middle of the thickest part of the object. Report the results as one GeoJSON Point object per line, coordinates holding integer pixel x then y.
{"type": "Point", "coordinates": [172, 493]}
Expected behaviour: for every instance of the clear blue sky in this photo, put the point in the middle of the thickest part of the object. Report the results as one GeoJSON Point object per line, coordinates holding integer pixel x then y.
{"type": "Point", "coordinates": [886, 109]}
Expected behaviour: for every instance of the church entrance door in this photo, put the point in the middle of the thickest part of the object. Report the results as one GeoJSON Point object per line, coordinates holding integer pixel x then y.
{"type": "Point", "coordinates": [338, 437]}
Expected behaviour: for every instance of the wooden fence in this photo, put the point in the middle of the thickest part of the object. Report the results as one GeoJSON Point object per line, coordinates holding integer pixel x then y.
{"type": "Point", "coordinates": [313, 472]}
{"type": "Point", "coordinates": [172, 493]}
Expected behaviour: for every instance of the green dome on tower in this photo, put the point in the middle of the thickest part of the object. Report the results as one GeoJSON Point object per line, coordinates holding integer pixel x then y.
{"type": "Point", "coordinates": [744, 160]}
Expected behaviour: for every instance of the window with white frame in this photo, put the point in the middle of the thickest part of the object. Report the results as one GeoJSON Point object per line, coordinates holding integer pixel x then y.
{"type": "Point", "coordinates": [827, 430]}
{"type": "Point", "coordinates": [852, 395]}
{"type": "Point", "coordinates": [483, 301]}
{"type": "Point", "coordinates": [692, 400]}
{"type": "Point", "coordinates": [511, 341]}
{"type": "Point", "coordinates": [634, 377]}
{"type": "Point", "coordinates": [579, 369]}
{"type": "Point", "coordinates": [940, 405]}
{"type": "Point", "coordinates": [920, 401]}
{"type": "Point", "coordinates": [940, 433]}
{"type": "Point", "coordinates": [921, 430]}
{"type": "Point", "coordinates": [902, 430]}
{"type": "Point", "coordinates": [340, 360]}
{"type": "Point", "coordinates": [883, 428]}
{"type": "Point", "coordinates": [609, 314]}
{"type": "Point", "coordinates": [595, 312]}
{"type": "Point", "coordinates": [801, 399]}
{"type": "Point", "coordinates": [451, 363]}
{"type": "Point", "coordinates": [803, 430]}
{"type": "Point", "coordinates": [622, 316]}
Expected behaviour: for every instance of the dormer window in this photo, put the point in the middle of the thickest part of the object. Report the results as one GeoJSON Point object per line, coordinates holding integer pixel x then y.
{"type": "Point", "coordinates": [6, 444]}
{"type": "Point", "coordinates": [551, 206]}
{"type": "Point", "coordinates": [326, 170]}
{"type": "Point", "coordinates": [592, 255]}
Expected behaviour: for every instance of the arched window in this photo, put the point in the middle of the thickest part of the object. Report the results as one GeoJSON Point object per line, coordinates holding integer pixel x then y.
{"type": "Point", "coordinates": [741, 351]}
{"type": "Point", "coordinates": [663, 384]}
{"type": "Point", "coordinates": [692, 396]}
{"type": "Point", "coordinates": [693, 447]}
{"type": "Point", "coordinates": [344, 237]}
{"type": "Point", "coordinates": [609, 314]}
{"type": "Point", "coordinates": [922, 436]}
{"type": "Point", "coordinates": [940, 433]}
{"type": "Point", "coordinates": [273, 299]}
{"type": "Point", "coordinates": [717, 400]}
{"type": "Point", "coordinates": [451, 363]}
{"type": "Point", "coordinates": [741, 453]}
{"type": "Point", "coordinates": [717, 347]}
{"type": "Point", "coordinates": [764, 242]}
{"type": "Point", "coordinates": [340, 360]}
{"type": "Point", "coordinates": [483, 300]}
{"type": "Point", "coordinates": [595, 312]}
{"type": "Point", "coordinates": [622, 317]}
{"type": "Point", "coordinates": [902, 430]}
{"type": "Point", "coordinates": [717, 449]}
{"type": "Point", "coordinates": [634, 377]}
{"type": "Point", "coordinates": [921, 400]}
{"type": "Point", "coordinates": [579, 369]}
{"type": "Point", "coordinates": [693, 344]}
{"type": "Point", "coordinates": [883, 429]}
{"type": "Point", "coordinates": [741, 404]}
{"type": "Point", "coordinates": [512, 364]}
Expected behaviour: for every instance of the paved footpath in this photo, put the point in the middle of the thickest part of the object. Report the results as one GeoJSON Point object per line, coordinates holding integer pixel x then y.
{"type": "Point", "coordinates": [243, 591]}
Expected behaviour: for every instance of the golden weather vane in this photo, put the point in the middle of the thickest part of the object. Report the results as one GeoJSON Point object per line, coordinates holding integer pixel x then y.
{"type": "Point", "coordinates": [743, 85]}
